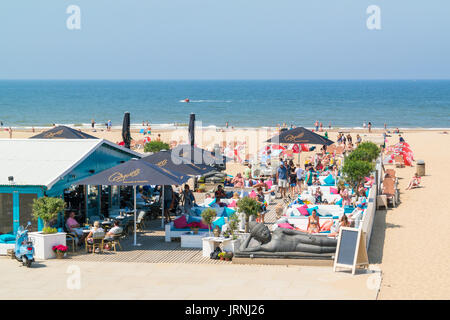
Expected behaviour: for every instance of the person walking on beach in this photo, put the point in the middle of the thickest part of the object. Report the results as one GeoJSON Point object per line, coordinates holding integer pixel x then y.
{"type": "Point", "coordinates": [364, 125]}
{"type": "Point", "coordinates": [10, 132]}
{"type": "Point", "coordinates": [109, 125]}
{"type": "Point", "coordinates": [321, 127]}
{"type": "Point", "coordinates": [282, 179]}
{"type": "Point", "coordinates": [92, 123]}
{"type": "Point", "coordinates": [316, 125]}
{"type": "Point", "coordinates": [369, 126]}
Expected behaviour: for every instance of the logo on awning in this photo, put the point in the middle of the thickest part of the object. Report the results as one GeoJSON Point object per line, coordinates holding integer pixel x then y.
{"type": "Point", "coordinates": [126, 177]}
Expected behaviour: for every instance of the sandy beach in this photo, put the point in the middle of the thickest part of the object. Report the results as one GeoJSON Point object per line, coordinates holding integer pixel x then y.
{"type": "Point", "coordinates": [410, 243]}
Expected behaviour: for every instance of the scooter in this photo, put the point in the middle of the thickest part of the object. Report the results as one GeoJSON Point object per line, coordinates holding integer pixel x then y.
{"type": "Point", "coordinates": [24, 250]}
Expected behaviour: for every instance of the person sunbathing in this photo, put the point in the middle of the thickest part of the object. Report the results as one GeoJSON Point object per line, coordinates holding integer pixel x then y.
{"type": "Point", "coordinates": [414, 183]}
{"type": "Point", "coordinates": [313, 223]}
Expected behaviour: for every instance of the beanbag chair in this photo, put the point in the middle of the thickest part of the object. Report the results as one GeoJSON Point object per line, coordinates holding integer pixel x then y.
{"type": "Point", "coordinates": [339, 203]}
{"type": "Point", "coordinates": [218, 223]}
{"type": "Point", "coordinates": [285, 226]}
{"type": "Point", "coordinates": [180, 223]}
{"type": "Point", "coordinates": [303, 211]}
{"type": "Point", "coordinates": [252, 194]}
{"type": "Point", "coordinates": [232, 204]}
{"type": "Point", "coordinates": [228, 212]}
{"type": "Point", "coordinates": [329, 179]}
{"type": "Point", "coordinates": [310, 210]}
{"type": "Point", "coordinates": [7, 237]}
{"type": "Point", "coordinates": [333, 190]}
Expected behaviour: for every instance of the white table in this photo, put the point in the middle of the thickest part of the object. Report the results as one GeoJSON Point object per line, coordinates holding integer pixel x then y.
{"type": "Point", "coordinates": [210, 243]}
{"type": "Point", "coordinates": [191, 240]}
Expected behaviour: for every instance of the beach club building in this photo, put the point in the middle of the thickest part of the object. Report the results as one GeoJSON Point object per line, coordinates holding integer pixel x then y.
{"type": "Point", "coordinates": [33, 168]}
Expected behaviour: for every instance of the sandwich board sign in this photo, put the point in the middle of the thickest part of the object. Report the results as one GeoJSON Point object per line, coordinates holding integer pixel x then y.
{"type": "Point", "coordinates": [351, 249]}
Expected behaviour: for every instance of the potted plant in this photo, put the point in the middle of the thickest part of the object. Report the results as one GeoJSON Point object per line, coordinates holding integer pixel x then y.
{"type": "Point", "coordinates": [60, 251]}
{"type": "Point", "coordinates": [228, 256]}
{"type": "Point", "coordinates": [208, 216]}
{"type": "Point", "coordinates": [250, 207]}
{"type": "Point", "coordinates": [221, 255]}
{"type": "Point", "coordinates": [47, 209]}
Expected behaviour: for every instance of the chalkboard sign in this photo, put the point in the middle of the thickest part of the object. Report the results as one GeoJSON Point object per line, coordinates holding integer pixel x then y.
{"type": "Point", "coordinates": [347, 247]}
{"type": "Point", "coordinates": [351, 249]}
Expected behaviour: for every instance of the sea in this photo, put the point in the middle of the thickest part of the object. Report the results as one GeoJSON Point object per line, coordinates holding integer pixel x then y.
{"type": "Point", "coordinates": [241, 103]}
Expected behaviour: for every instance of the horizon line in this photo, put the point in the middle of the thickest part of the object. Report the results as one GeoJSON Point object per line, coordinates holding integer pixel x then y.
{"type": "Point", "coordinates": [224, 79]}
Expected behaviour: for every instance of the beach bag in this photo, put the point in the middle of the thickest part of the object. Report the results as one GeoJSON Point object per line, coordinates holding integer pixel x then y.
{"type": "Point", "coordinates": [215, 254]}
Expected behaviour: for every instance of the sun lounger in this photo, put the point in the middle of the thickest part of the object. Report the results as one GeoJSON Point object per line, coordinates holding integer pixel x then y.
{"type": "Point", "coordinates": [390, 173]}
{"type": "Point", "coordinates": [390, 190]}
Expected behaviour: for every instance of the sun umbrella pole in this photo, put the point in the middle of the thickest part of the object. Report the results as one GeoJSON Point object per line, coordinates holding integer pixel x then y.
{"type": "Point", "coordinates": [134, 187]}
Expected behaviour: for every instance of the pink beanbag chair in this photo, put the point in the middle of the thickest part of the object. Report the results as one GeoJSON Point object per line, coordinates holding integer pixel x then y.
{"type": "Point", "coordinates": [333, 190]}
{"type": "Point", "coordinates": [285, 225]}
{"type": "Point", "coordinates": [269, 184]}
{"type": "Point", "coordinates": [232, 204]}
{"type": "Point", "coordinates": [180, 223]}
{"type": "Point", "coordinates": [303, 211]}
{"type": "Point", "coordinates": [252, 194]}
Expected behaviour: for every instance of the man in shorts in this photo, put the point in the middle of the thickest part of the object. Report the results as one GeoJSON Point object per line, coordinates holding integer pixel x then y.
{"type": "Point", "coordinates": [282, 179]}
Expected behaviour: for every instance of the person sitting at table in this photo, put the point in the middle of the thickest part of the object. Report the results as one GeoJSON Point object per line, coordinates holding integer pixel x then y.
{"type": "Point", "coordinates": [94, 230]}
{"type": "Point", "coordinates": [73, 226]}
{"type": "Point", "coordinates": [114, 231]}
{"type": "Point", "coordinates": [140, 196]}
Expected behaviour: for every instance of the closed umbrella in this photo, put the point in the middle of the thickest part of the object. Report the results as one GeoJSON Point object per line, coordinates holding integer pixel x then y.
{"type": "Point", "coordinates": [126, 135]}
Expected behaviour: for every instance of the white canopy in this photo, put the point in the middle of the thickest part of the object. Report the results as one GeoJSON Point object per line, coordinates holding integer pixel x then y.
{"type": "Point", "coordinates": [42, 162]}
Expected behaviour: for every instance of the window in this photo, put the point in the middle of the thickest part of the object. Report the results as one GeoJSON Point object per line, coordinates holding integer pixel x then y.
{"type": "Point", "coordinates": [6, 213]}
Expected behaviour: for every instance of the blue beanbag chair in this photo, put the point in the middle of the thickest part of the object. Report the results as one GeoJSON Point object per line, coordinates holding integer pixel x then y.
{"type": "Point", "coordinates": [310, 210]}
{"type": "Point", "coordinates": [6, 238]}
{"type": "Point", "coordinates": [218, 223]}
{"type": "Point", "coordinates": [339, 203]}
{"type": "Point", "coordinates": [228, 212]}
{"type": "Point", "coordinates": [329, 180]}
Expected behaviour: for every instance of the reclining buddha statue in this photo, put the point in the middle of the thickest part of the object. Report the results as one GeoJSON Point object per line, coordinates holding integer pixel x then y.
{"type": "Point", "coordinates": [283, 241]}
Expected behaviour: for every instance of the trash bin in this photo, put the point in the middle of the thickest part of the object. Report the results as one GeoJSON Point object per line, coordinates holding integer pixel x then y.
{"type": "Point", "coordinates": [420, 168]}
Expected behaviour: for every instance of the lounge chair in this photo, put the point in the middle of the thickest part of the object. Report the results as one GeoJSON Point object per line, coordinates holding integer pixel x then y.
{"type": "Point", "coordinates": [390, 190]}
{"type": "Point", "coordinates": [390, 173]}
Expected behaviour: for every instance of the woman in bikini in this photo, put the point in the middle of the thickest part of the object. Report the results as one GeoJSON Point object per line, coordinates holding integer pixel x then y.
{"type": "Point", "coordinates": [313, 223]}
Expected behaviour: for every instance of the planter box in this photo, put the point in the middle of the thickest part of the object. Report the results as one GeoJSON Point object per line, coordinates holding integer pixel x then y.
{"type": "Point", "coordinates": [231, 246]}
{"type": "Point", "coordinates": [43, 244]}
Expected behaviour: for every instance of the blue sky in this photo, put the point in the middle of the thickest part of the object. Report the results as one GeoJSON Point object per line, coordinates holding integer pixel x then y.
{"type": "Point", "coordinates": [225, 39]}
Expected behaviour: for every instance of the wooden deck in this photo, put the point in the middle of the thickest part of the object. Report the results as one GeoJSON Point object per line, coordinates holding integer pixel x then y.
{"type": "Point", "coordinates": [154, 249]}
